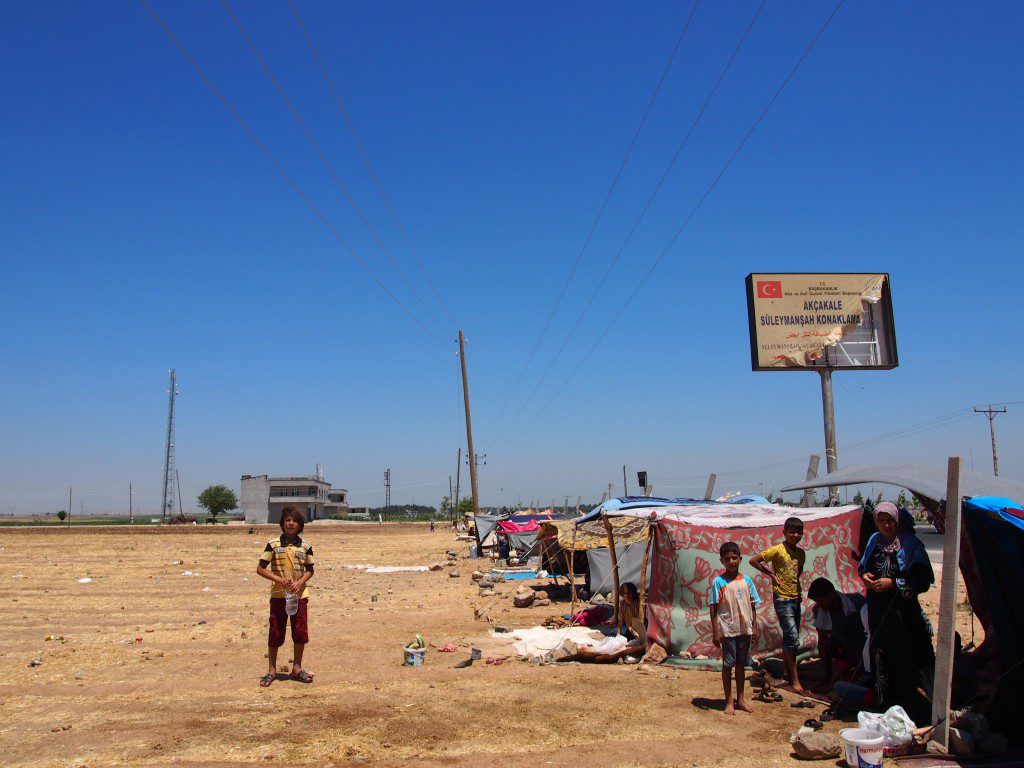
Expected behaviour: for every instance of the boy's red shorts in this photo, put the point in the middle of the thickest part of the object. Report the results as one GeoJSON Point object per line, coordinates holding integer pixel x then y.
{"type": "Point", "coordinates": [279, 621]}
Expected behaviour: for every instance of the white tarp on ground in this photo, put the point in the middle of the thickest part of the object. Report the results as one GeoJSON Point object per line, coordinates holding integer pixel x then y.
{"type": "Point", "coordinates": [535, 642]}
{"type": "Point", "coordinates": [734, 515]}
{"type": "Point", "coordinates": [629, 557]}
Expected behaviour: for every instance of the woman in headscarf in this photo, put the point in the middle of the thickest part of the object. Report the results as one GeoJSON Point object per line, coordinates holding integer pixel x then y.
{"type": "Point", "coordinates": [895, 569]}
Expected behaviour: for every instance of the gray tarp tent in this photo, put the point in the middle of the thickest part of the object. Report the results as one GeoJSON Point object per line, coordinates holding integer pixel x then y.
{"type": "Point", "coordinates": [630, 557]}
{"type": "Point", "coordinates": [923, 480]}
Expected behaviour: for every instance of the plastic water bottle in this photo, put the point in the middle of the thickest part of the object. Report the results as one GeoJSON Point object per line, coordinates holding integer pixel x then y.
{"type": "Point", "coordinates": [291, 604]}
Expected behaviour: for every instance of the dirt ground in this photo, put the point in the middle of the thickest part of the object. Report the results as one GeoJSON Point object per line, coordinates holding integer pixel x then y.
{"type": "Point", "coordinates": [157, 668]}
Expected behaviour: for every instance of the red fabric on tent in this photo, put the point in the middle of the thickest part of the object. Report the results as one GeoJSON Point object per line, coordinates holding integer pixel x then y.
{"type": "Point", "coordinates": [507, 526]}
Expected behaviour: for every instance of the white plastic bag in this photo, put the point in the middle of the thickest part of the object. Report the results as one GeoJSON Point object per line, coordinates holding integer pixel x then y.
{"type": "Point", "coordinates": [894, 724]}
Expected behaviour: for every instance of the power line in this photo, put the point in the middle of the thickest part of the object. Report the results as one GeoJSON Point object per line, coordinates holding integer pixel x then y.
{"type": "Point", "coordinates": [593, 226]}
{"type": "Point", "coordinates": [326, 163]}
{"type": "Point", "coordinates": [280, 169]}
{"type": "Point", "coordinates": [643, 213]}
{"type": "Point", "coordinates": [688, 219]}
{"type": "Point", "coordinates": [369, 165]}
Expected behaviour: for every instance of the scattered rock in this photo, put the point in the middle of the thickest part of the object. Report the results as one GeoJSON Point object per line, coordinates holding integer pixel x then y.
{"type": "Point", "coordinates": [523, 597]}
{"type": "Point", "coordinates": [541, 602]}
{"type": "Point", "coordinates": [453, 573]}
{"type": "Point", "coordinates": [65, 726]}
{"type": "Point", "coordinates": [816, 745]}
{"type": "Point", "coordinates": [502, 628]}
{"type": "Point", "coordinates": [486, 593]}
{"type": "Point", "coordinates": [961, 743]}
{"type": "Point", "coordinates": [55, 729]}
{"type": "Point", "coordinates": [934, 748]}
{"type": "Point", "coordinates": [541, 594]}
{"type": "Point", "coordinates": [655, 655]}
{"type": "Point", "coordinates": [477, 575]}
{"type": "Point", "coordinates": [84, 580]}
{"type": "Point", "coordinates": [994, 743]}
{"type": "Point", "coordinates": [436, 567]}
{"type": "Point", "coordinates": [79, 676]}
{"type": "Point", "coordinates": [36, 661]}
{"type": "Point", "coordinates": [485, 582]}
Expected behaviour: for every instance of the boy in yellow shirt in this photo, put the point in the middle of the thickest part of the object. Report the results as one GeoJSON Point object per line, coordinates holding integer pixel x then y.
{"type": "Point", "coordinates": [287, 562]}
{"type": "Point", "coordinates": [787, 565]}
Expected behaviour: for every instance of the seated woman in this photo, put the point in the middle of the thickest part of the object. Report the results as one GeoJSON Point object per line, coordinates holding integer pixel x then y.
{"type": "Point", "coordinates": [895, 569]}
{"type": "Point", "coordinates": [631, 633]}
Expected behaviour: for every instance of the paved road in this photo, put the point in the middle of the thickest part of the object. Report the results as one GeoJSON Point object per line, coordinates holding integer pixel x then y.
{"type": "Point", "coordinates": [932, 542]}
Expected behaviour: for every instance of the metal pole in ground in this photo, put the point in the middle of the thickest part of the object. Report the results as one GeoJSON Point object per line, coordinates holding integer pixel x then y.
{"type": "Point", "coordinates": [812, 472]}
{"type": "Point", "coordinates": [829, 415]}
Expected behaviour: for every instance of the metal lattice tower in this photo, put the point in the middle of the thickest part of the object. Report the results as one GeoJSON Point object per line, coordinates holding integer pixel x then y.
{"type": "Point", "coordinates": [167, 510]}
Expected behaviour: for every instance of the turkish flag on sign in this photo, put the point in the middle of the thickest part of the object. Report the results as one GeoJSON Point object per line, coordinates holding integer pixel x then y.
{"type": "Point", "coordinates": [769, 289]}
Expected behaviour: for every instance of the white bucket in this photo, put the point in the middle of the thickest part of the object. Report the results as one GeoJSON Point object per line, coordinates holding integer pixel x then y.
{"type": "Point", "coordinates": [864, 748]}
{"type": "Point", "coordinates": [414, 656]}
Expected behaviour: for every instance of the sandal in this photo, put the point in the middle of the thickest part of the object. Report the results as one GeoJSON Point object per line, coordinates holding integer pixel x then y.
{"type": "Point", "coordinates": [812, 723]}
{"type": "Point", "coordinates": [266, 680]}
{"type": "Point", "coordinates": [301, 677]}
{"type": "Point", "coordinates": [805, 703]}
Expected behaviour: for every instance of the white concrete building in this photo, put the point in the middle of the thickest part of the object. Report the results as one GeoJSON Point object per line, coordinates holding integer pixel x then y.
{"type": "Point", "coordinates": [264, 497]}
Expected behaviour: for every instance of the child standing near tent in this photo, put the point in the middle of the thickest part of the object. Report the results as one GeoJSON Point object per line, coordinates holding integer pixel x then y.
{"type": "Point", "coordinates": [734, 604]}
{"type": "Point", "coordinates": [787, 565]}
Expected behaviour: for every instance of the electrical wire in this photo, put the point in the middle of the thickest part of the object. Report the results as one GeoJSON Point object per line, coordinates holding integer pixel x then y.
{"type": "Point", "coordinates": [686, 221]}
{"type": "Point", "coordinates": [366, 160]}
{"type": "Point", "coordinates": [643, 212]}
{"type": "Point", "coordinates": [597, 219]}
{"type": "Point", "coordinates": [326, 163]}
{"type": "Point", "coordinates": [280, 169]}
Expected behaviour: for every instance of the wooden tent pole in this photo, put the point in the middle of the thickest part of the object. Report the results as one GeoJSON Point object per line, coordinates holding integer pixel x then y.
{"type": "Point", "coordinates": [615, 563]}
{"type": "Point", "coordinates": [643, 573]}
{"type": "Point", "coordinates": [571, 557]}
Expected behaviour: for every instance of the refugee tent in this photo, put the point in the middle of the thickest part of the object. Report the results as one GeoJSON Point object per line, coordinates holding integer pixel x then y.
{"type": "Point", "coordinates": [684, 561]}
{"type": "Point", "coordinates": [582, 540]}
{"type": "Point", "coordinates": [522, 536]}
{"type": "Point", "coordinates": [992, 563]}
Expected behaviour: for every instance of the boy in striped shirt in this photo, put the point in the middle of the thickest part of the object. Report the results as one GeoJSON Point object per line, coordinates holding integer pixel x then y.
{"type": "Point", "coordinates": [287, 561]}
{"type": "Point", "coordinates": [734, 604]}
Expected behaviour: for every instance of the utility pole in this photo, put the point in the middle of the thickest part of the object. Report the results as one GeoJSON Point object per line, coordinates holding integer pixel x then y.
{"type": "Point", "coordinates": [458, 479]}
{"type": "Point", "coordinates": [177, 478]}
{"type": "Point", "coordinates": [131, 517]}
{"type": "Point", "coordinates": [625, 488]}
{"type": "Point", "coordinates": [387, 491]}
{"type": "Point", "coordinates": [829, 414]}
{"type": "Point", "coordinates": [469, 438]}
{"type": "Point", "coordinates": [992, 413]}
{"type": "Point", "coordinates": [167, 507]}
{"type": "Point", "coordinates": [70, 489]}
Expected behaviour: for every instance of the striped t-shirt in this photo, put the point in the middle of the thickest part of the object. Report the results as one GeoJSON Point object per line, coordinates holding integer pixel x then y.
{"type": "Point", "coordinates": [289, 560]}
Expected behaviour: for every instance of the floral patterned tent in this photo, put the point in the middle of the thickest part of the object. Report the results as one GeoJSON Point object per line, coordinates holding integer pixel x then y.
{"type": "Point", "coordinates": [685, 561]}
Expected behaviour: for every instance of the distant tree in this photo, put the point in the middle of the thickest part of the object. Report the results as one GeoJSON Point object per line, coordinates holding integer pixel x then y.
{"type": "Point", "coordinates": [858, 499]}
{"type": "Point", "coordinates": [62, 515]}
{"type": "Point", "coordinates": [901, 500]}
{"type": "Point", "coordinates": [466, 506]}
{"type": "Point", "coordinates": [878, 500]}
{"type": "Point", "coordinates": [218, 499]}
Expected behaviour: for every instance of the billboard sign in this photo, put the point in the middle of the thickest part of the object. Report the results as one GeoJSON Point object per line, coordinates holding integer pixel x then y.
{"type": "Point", "coordinates": [810, 321]}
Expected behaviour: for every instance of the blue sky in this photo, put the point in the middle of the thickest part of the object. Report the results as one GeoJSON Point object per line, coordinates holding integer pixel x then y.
{"type": "Point", "coordinates": [144, 230]}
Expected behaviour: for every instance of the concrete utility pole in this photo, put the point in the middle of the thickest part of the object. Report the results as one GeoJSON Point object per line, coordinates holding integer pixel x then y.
{"type": "Point", "coordinates": [387, 491]}
{"type": "Point", "coordinates": [469, 438]}
{"type": "Point", "coordinates": [812, 472]}
{"type": "Point", "coordinates": [710, 490]}
{"type": "Point", "coordinates": [167, 506]}
{"type": "Point", "coordinates": [625, 489]}
{"type": "Point", "coordinates": [992, 413]}
{"type": "Point", "coordinates": [70, 489]}
{"type": "Point", "coordinates": [458, 480]}
{"type": "Point", "coordinates": [829, 414]}
{"type": "Point", "coordinates": [945, 634]}
{"type": "Point", "coordinates": [131, 517]}
{"type": "Point", "coordinates": [177, 482]}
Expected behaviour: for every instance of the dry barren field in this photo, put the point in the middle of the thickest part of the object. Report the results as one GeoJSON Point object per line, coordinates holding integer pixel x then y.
{"type": "Point", "coordinates": [156, 668]}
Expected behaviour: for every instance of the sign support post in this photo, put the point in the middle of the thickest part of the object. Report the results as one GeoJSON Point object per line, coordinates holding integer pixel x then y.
{"type": "Point", "coordinates": [829, 414]}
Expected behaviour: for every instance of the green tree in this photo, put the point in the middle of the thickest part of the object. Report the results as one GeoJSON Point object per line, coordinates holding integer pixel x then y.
{"type": "Point", "coordinates": [466, 506]}
{"type": "Point", "coordinates": [878, 500]}
{"type": "Point", "coordinates": [62, 515]}
{"type": "Point", "coordinates": [901, 500]}
{"type": "Point", "coordinates": [218, 499]}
